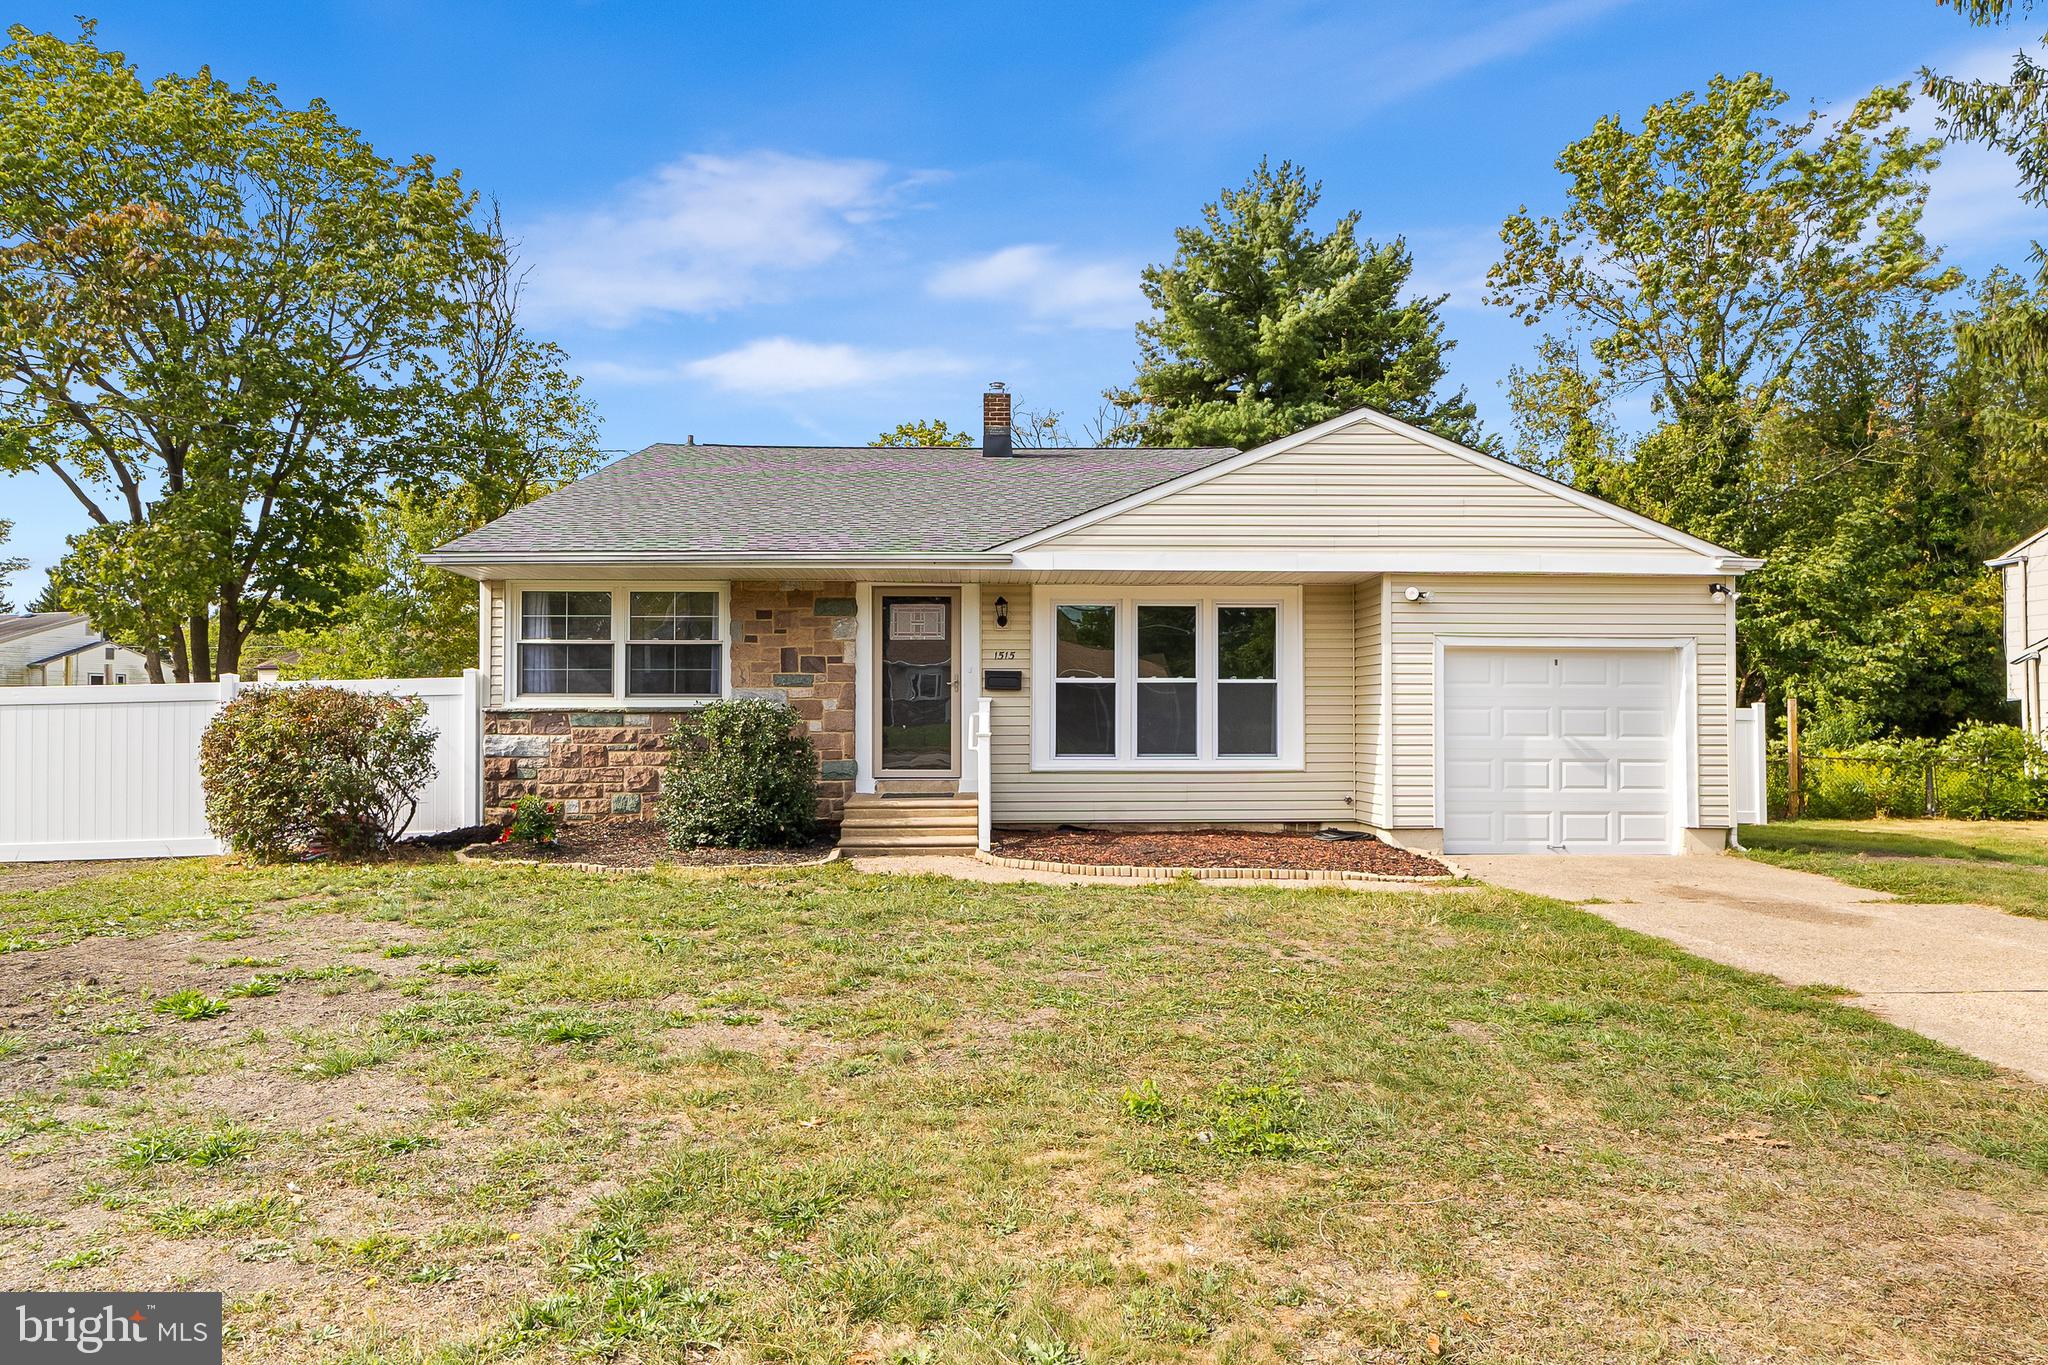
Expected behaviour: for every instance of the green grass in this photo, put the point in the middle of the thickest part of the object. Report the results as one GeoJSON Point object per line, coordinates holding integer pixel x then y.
{"type": "Point", "coordinates": [816, 1115]}
{"type": "Point", "coordinates": [2003, 863]}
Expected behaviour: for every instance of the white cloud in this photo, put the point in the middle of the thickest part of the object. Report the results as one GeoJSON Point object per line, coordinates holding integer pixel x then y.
{"type": "Point", "coordinates": [1973, 197]}
{"type": "Point", "coordinates": [703, 233]}
{"type": "Point", "coordinates": [1331, 66]}
{"type": "Point", "coordinates": [1453, 261]}
{"type": "Point", "coordinates": [773, 366]}
{"type": "Point", "coordinates": [1047, 287]}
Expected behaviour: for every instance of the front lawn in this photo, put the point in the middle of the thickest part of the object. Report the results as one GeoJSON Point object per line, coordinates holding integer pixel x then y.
{"type": "Point", "coordinates": [477, 1113]}
{"type": "Point", "coordinates": [1979, 862]}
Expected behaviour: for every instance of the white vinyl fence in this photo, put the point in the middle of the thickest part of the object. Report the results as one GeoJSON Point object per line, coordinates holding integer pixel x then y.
{"type": "Point", "coordinates": [113, 772]}
{"type": "Point", "coordinates": [1752, 796]}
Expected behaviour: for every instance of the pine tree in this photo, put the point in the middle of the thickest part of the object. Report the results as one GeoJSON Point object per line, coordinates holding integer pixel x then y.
{"type": "Point", "coordinates": [1262, 327]}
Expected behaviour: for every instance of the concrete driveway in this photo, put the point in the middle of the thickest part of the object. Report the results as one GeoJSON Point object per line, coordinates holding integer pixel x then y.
{"type": "Point", "coordinates": [1967, 975]}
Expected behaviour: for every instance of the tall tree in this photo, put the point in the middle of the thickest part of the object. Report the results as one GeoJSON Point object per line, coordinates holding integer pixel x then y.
{"type": "Point", "coordinates": [2011, 116]}
{"type": "Point", "coordinates": [932, 432]}
{"type": "Point", "coordinates": [213, 311]}
{"type": "Point", "coordinates": [1699, 258]}
{"type": "Point", "coordinates": [8, 567]}
{"type": "Point", "coordinates": [502, 421]}
{"type": "Point", "coordinates": [1262, 327]}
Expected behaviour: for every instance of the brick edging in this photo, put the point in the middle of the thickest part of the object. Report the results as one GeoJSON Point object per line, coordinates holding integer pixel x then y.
{"type": "Point", "coordinates": [1268, 874]}
{"type": "Point", "coordinates": [463, 855]}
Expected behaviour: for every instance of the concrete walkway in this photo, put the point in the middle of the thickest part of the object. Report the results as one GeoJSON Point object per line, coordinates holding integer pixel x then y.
{"type": "Point", "coordinates": [1967, 975]}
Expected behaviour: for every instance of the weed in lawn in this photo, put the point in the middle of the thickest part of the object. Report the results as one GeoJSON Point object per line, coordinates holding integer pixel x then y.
{"type": "Point", "coordinates": [85, 1258]}
{"type": "Point", "coordinates": [273, 1213]}
{"type": "Point", "coordinates": [1050, 1351]}
{"type": "Point", "coordinates": [163, 1146]}
{"type": "Point", "coordinates": [570, 1028]}
{"type": "Point", "coordinates": [1144, 1103]}
{"type": "Point", "coordinates": [155, 1149]}
{"type": "Point", "coordinates": [1183, 1307]}
{"type": "Point", "coordinates": [191, 1006]}
{"type": "Point", "coordinates": [336, 1062]}
{"type": "Point", "coordinates": [403, 1143]}
{"type": "Point", "coordinates": [1257, 1120]}
{"type": "Point", "coordinates": [461, 967]}
{"type": "Point", "coordinates": [115, 1071]}
{"type": "Point", "coordinates": [120, 1025]}
{"type": "Point", "coordinates": [257, 985]}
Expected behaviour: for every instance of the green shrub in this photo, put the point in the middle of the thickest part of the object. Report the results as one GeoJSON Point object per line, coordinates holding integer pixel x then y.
{"type": "Point", "coordinates": [290, 770]}
{"type": "Point", "coordinates": [534, 821]}
{"type": "Point", "coordinates": [740, 774]}
{"type": "Point", "coordinates": [1980, 772]}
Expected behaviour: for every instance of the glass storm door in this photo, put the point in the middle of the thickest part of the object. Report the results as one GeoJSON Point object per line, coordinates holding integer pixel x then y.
{"type": "Point", "coordinates": [917, 684]}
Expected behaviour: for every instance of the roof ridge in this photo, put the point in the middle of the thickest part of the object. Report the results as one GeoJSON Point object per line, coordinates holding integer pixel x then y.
{"type": "Point", "coordinates": [1019, 453]}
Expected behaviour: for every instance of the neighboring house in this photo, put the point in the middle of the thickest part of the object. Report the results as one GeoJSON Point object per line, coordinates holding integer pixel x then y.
{"type": "Point", "coordinates": [2025, 568]}
{"type": "Point", "coordinates": [61, 649]}
{"type": "Point", "coordinates": [1361, 625]}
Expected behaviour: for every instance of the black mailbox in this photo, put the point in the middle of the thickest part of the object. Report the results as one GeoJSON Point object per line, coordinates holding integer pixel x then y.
{"type": "Point", "coordinates": [1002, 680]}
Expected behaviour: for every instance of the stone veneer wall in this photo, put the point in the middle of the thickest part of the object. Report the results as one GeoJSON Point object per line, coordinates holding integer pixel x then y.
{"type": "Point", "coordinates": [789, 642]}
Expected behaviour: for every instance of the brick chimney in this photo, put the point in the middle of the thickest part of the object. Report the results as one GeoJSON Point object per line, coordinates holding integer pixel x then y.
{"type": "Point", "coordinates": [995, 421]}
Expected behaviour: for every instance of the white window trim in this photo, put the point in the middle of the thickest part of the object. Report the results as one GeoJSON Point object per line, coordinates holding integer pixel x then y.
{"type": "Point", "coordinates": [617, 698]}
{"type": "Point", "coordinates": [1046, 598]}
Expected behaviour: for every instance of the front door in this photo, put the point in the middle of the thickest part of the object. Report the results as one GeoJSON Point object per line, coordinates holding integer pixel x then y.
{"type": "Point", "coordinates": [918, 687]}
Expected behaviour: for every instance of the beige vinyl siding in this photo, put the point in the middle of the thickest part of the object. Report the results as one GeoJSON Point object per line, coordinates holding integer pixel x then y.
{"type": "Point", "coordinates": [493, 647]}
{"type": "Point", "coordinates": [1371, 653]}
{"type": "Point", "coordinates": [1320, 791]}
{"type": "Point", "coordinates": [1532, 606]}
{"type": "Point", "coordinates": [1365, 489]}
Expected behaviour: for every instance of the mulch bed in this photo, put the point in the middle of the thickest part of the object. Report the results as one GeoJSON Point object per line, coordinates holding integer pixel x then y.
{"type": "Point", "coordinates": [640, 843]}
{"type": "Point", "coordinates": [1217, 848]}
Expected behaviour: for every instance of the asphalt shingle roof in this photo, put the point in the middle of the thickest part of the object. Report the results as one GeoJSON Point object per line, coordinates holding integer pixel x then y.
{"type": "Point", "coordinates": [14, 627]}
{"type": "Point", "coordinates": [826, 499]}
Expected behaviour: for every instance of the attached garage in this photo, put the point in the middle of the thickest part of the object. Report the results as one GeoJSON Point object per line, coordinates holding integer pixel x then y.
{"type": "Point", "coordinates": [1576, 747]}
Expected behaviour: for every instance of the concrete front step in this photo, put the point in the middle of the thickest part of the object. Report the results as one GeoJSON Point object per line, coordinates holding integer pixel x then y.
{"type": "Point", "coordinates": [905, 843]}
{"type": "Point", "coordinates": [894, 823]}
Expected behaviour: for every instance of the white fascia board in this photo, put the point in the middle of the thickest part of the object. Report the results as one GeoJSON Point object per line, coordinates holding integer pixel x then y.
{"type": "Point", "coordinates": [1393, 561]}
{"type": "Point", "coordinates": [1369, 417]}
{"type": "Point", "coordinates": [2017, 550]}
{"type": "Point", "coordinates": [504, 565]}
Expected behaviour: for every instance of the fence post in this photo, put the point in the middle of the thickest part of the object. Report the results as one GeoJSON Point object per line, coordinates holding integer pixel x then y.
{"type": "Point", "coordinates": [1928, 804]}
{"type": "Point", "coordinates": [1793, 796]}
{"type": "Point", "coordinates": [230, 686]}
{"type": "Point", "coordinates": [473, 744]}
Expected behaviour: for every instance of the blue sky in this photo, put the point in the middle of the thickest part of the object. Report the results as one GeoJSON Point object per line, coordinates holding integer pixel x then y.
{"type": "Point", "coordinates": [802, 223]}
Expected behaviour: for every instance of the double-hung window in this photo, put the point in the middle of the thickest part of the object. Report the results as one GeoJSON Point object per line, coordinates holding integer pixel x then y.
{"type": "Point", "coordinates": [1149, 680]}
{"type": "Point", "coordinates": [619, 644]}
{"type": "Point", "coordinates": [1084, 686]}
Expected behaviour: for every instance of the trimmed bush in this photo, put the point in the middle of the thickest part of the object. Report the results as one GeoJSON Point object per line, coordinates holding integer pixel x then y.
{"type": "Point", "coordinates": [295, 770]}
{"type": "Point", "coordinates": [740, 774]}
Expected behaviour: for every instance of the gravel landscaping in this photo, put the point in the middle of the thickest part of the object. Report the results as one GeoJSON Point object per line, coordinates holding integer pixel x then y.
{"type": "Point", "coordinates": [1216, 848]}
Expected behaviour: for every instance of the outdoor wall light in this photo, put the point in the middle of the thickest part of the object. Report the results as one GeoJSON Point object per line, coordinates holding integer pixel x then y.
{"type": "Point", "coordinates": [1417, 594]}
{"type": "Point", "coordinates": [1002, 611]}
{"type": "Point", "coordinates": [1720, 592]}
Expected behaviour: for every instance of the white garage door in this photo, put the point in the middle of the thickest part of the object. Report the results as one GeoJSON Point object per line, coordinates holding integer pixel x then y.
{"type": "Point", "coordinates": [1560, 750]}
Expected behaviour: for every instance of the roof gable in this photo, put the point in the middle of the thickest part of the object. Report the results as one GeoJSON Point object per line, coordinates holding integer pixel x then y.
{"type": "Point", "coordinates": [1366, 482]}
